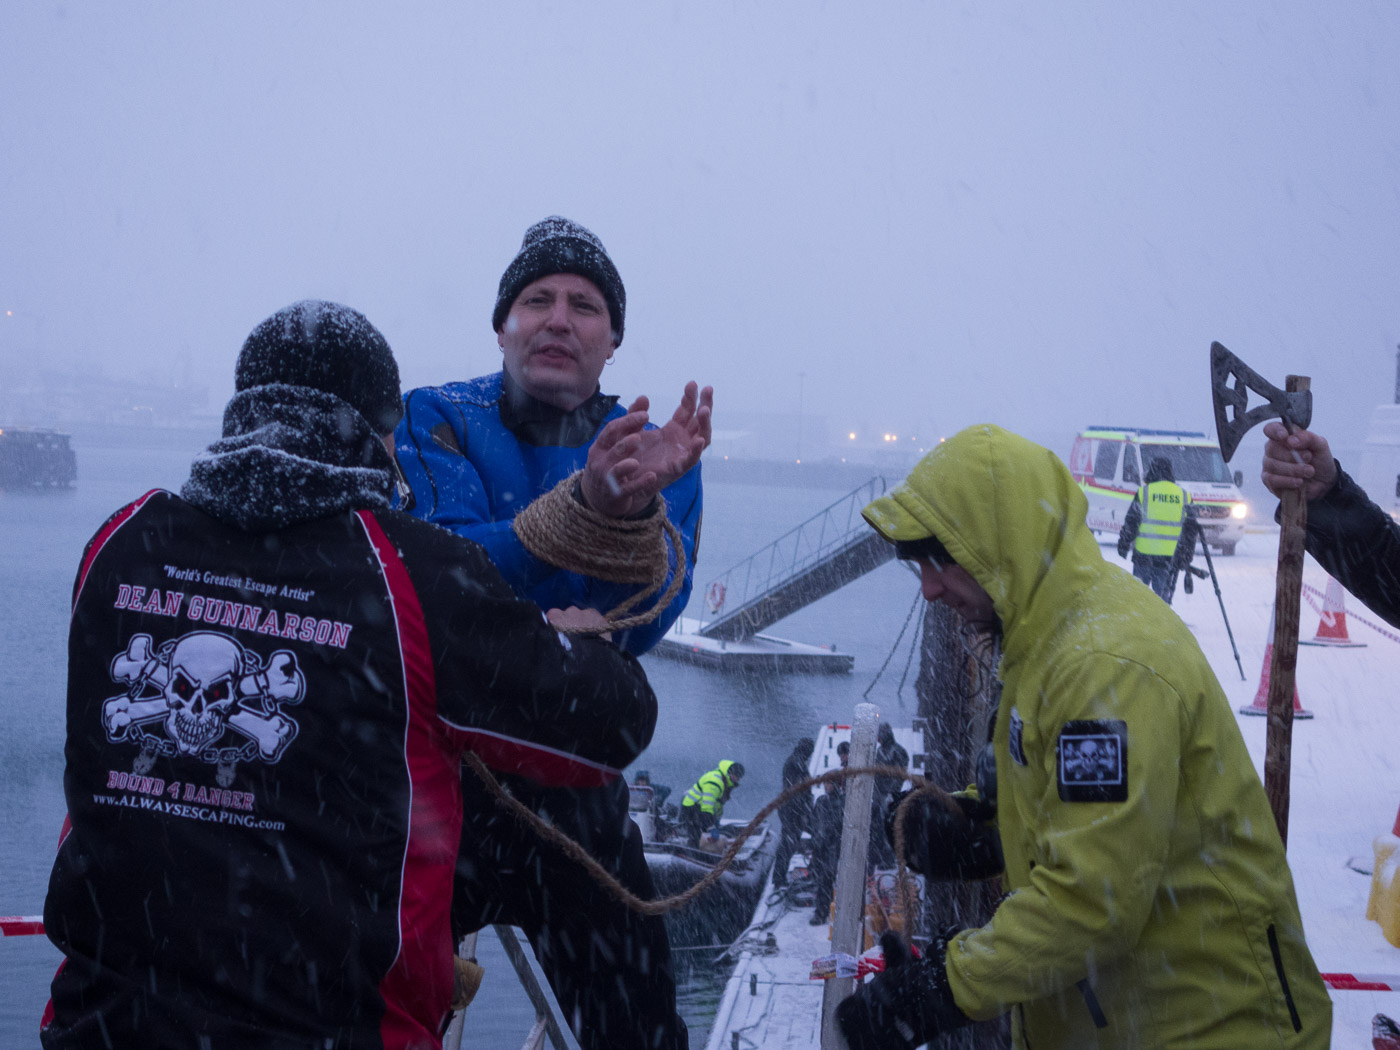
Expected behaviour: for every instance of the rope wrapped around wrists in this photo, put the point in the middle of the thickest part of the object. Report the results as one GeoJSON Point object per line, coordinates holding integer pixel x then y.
{"type": "Point", "coordinates": [559, 529]}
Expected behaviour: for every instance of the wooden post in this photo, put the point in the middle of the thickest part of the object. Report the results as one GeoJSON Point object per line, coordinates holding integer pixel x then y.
{"type": "Point", "coordinates": [1278, 748]}
{"type": "Point", "coordinates": [847, 931]}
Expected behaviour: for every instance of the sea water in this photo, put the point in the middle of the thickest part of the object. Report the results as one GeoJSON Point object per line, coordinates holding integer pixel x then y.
{"type": "Point", "coordinates": [705, 716]}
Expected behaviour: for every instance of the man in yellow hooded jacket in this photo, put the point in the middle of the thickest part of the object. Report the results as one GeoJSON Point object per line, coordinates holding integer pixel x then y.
{"type": "Point", "coordinates": [1150, 904]}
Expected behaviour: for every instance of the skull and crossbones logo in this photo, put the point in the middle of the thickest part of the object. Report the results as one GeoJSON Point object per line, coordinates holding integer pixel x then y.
{"type": "Point", "coordinates": [1091, 759]}
{"type": "Point", "coordinates": [198, 687]}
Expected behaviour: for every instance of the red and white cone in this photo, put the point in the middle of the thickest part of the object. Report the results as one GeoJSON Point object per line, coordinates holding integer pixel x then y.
{"type": "Point", "coordinates": [1385, 1034]}
{"type": "Point", "coordinates": [1260, 706]}
{"type": "Point", "coordinates": [1332, 628]}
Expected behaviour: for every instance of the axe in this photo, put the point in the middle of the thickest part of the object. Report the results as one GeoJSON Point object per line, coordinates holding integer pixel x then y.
{"type": "Point", "coordinates": [1293, 405]}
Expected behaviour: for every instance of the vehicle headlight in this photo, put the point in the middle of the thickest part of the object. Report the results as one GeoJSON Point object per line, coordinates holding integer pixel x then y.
{"type": "Point", "coordinates": [1239, 510]}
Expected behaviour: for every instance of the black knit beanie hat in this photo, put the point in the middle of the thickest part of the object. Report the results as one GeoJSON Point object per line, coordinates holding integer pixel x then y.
{"type": "Point", "coordinates": [1160, 469]}
{"type": "Point", "coordinates": [328, 347]}
{"type": "Point", "coordinates": [560, 245]}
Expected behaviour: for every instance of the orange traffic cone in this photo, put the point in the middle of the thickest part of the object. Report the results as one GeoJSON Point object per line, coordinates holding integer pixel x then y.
{"type": "Point", "coordinates": [1332, 628]}
{"type": "Point", "coordinates": [1260, 706]}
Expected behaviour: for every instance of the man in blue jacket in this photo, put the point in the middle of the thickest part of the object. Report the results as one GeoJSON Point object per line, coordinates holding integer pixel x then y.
{"type": "Point", "coordinates": [478, 453]}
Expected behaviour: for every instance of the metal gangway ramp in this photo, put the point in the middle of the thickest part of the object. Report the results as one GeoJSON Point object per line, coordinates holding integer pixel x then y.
{"type": "Point", "coordinates": [824, 553]}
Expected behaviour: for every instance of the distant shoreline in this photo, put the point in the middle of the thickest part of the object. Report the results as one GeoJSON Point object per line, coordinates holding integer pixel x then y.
{"type": "Point", "coordinates": [196, 437]}
{"type": "Point", "coordinates": [791, 474]}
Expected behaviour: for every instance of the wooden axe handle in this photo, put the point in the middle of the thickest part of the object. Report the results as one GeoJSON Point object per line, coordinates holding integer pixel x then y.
{"type": "Point", "coordinates": [1278, 749]}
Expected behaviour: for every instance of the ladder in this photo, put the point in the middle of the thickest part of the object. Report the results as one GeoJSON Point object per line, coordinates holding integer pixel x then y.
{"type": "Point", "coordinates": [824, 553]}
{"type": "Point", "coordinates": [549, 1022]}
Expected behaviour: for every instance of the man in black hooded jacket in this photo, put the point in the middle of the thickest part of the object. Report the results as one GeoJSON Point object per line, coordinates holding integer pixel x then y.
{"type": "Point", "coordinates": [272, 681]}
{"type": "Point", "coordinates": [1351, 537]}
{"type": "Point", "coordinates": [796, 813]}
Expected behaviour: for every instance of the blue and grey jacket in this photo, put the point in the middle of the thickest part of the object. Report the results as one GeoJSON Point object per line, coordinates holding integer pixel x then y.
{"type": "Point", "coordinates": [476, 453]}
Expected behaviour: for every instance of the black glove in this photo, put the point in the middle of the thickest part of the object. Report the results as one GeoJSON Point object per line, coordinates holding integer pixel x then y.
{"type": "Point", "coordinates": [1186, 583]}
{"type": "Point", "coordinates": [946, 846]}
{"type": "Point", "coordinates": [903, 1007]}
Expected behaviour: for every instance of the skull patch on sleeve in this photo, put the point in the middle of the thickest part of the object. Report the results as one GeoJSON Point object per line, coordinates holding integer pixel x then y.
{"type": "Point", "coordinates": [1092, 761]}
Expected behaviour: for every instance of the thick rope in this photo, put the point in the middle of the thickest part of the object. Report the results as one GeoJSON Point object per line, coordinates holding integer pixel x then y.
{"type": "Point", "coordinates": [922, 789]}
{"type": "Point", "coordinates": [524, 815]}
{"type": "Point", "coordinates": [558, 529]}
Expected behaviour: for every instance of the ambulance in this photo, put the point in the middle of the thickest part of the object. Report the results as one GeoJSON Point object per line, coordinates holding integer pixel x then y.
{"type": "Point", "coordinates": [1109, 463]}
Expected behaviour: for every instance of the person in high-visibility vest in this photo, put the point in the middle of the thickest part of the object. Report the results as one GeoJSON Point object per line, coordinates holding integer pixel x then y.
{"type": "Point", "coordinates": [1161, 529]}
{"type": "Point", "coordinates": [703, 805]}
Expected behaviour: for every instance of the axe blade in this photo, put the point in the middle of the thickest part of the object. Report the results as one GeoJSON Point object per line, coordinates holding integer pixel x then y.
{"type": "Point", "coordinates": [1293, 409]}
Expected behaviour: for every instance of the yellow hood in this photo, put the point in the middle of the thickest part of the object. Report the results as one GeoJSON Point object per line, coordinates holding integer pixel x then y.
{"type": "Point", "coordinates": [1009, 513]}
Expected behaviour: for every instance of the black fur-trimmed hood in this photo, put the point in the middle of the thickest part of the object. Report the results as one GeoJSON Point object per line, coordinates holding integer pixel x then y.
{"type": "Point", "coordinates": [289, 454]}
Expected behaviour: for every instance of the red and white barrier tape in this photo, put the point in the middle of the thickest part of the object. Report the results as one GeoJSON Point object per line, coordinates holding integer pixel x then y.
{"type": "Point", "coordinates": [1362, 982]}
{"type": "Point", "coordinates": [20, 925]}
{"type": "Point", "coordinates": [1350, 615]}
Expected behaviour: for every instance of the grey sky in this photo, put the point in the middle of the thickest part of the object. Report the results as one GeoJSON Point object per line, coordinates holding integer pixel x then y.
{"type": "Point", "coordinates": [1038, 214]}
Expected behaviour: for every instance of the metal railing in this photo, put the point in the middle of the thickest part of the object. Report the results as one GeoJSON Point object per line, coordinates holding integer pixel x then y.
{"type": "Point", "coordinates": [796, 551]}
{"type": "Point", "coordinates": [549, 1019]}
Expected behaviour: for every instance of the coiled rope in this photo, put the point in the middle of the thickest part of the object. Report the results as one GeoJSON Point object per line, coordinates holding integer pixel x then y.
{"type": "Point", "coordinates": [524, 815]}
{"type": "Point", "coordinates": [558, 529]}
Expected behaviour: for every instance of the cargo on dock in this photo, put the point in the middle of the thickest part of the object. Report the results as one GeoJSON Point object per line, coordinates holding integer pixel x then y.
{"type": "Point", "coordinates": [35, 457]}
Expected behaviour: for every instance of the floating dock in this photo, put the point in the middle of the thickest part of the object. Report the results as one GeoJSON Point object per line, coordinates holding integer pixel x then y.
{"type": "Point", "coordinates": [804, 565]}
{"type": "Point", "coordinates": [771, 1000]}
{"type": "Point", "coordinates": [35, 457]}
{"type": "Point", "coordinates": [761, 652]}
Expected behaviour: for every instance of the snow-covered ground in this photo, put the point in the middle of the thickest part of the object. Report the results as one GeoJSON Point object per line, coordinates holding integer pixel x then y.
{"type": "Point", "coordinates": [1345, 788]}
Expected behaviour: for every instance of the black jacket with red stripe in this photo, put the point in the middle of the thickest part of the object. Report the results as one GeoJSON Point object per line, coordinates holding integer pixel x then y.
{"type": "Point", "coordinates": [264, 737]}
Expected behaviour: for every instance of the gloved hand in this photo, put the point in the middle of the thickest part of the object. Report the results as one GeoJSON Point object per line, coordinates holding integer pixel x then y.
{"type": "Point", "coordinates": [903, 1007]}
{"type": "Point", "coordinates": [946, 846]}
{"type": "Point", "coordinates": [1186, 583]}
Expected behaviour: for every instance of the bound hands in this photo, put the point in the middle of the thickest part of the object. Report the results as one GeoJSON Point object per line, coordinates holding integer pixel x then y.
{"type": "Point", "coordinates": [1300, 460]}
{"type": "Point", "coordinates": [628, 465]}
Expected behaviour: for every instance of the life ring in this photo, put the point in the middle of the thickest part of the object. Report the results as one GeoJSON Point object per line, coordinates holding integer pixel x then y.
{"type": "Point", "coordinates": [715, 596]}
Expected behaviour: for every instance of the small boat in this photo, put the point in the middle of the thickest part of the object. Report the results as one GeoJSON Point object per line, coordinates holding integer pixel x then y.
{"type": "Point", "coordinates": [723, 910]}
{"type": "Point", "coordinates": [771, 997]}
{"type": "Point", "coordinates": [36, 457]}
